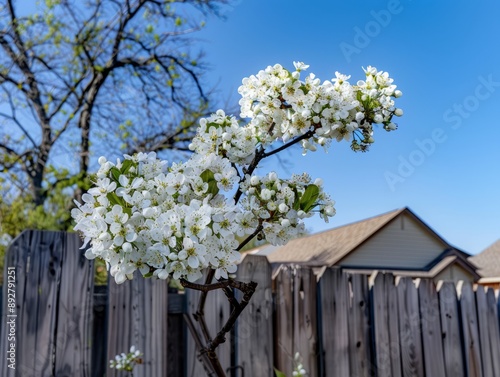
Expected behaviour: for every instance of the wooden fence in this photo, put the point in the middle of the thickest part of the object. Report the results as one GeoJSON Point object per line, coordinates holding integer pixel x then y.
{"type": "Point", "coordinates": [340, 324]}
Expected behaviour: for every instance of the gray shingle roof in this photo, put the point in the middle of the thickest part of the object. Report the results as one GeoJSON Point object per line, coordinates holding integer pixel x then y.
{"type": "Point", "coordinates": [328, 247]}
{"type": "Point", "coordinates": [488, 261]}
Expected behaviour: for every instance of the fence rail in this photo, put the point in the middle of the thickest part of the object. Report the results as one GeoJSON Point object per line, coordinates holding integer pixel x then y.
{"type": "Point", "coordinates": [341, 324]}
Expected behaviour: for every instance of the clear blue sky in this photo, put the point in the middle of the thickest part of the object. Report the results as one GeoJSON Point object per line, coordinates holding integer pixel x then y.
{"type": "Point", "coordinates": [443, 162]}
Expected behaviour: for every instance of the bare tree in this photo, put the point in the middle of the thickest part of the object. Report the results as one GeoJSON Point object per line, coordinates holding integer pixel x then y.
{"type": "Point", "coordinates": [77, 77]}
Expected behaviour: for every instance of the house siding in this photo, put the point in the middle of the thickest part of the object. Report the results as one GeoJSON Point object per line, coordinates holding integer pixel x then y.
{"type": "Point", "coordinates": [404, 243]}
{"type": "Point", "coordinates": [454, 274]}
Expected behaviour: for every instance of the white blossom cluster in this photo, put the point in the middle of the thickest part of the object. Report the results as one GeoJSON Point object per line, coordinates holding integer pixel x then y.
{"type": "Point", "coordinates": [221, 134]}
{"type": "Point", "coordinates": [128, 361]}
{"type": "Point", "coordinates": [281, 106]}
{"type": "Point", "coordinates": [283, 204]}
{"type": "Point", "coordinates": [177, 220]}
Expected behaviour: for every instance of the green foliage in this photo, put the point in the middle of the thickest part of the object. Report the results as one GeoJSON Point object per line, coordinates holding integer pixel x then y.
{"type": "Point", "coordinates": [278, 373]}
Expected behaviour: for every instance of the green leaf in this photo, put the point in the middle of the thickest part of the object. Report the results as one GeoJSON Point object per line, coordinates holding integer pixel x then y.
{"type": "Point", "coordinates": [208, 177]}
{"type": "Point", "coordinates": [113, 198]}
{"type": "Point", "coordinates": [278, 373]}
{"type": "Point", "coordinates": [127, 164]}
{"type": "Point", "coordinates": [115, 173]}
{"type": "Point", "coordinates": [309, 198]}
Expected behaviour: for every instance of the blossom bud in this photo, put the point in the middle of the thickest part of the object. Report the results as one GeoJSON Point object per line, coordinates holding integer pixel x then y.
{"type": "Point", "coordinates": [265, 194]}
{"type": "Point", "coordinates": [271, 206]}
{"type": "Point", "coordinates": [254, 181]}
{"type": "Point", "coordinates": [283, 208]}
{"type": "Point", "coordinates": [398, 93]}
{"type": "Point", "coordinates": [378, 118]}
{"type": "Point", "coordinates": [398, 112]}
{"type": "Point", "coordinates": [329, 211]}
{"type": "Point", "coordinates": [102, 160]}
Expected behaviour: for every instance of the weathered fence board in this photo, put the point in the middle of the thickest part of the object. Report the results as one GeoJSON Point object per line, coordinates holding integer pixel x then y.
{"type": "Point", "coordinates": [254, 328]}
{"type": "Point", "coordinates": [470, 333]}
{"type": "Point", "coordinates": [73, 342]}
{"type": "Point", "coordinates": [493, 330]}
{"type": "Point", "coordinates": [305, 319]}
{"type": "Point", "coordinates": [137, 317]}
{"type": "Point", "coordinates": [431, 329]}
{"type": "Point", "coordinates": [334, 296]}
{"type": "Point", "coordinates": [484, 336]}
{"type": "Point", "coordinates": [284, 350]}
{"type": "Point", "coordinates": [412, 360]}
{"type": "Point", "coordinates": [359, 327]}
{"type": "Point", "coordinates": [450, 325]}
{"type": "Point", "coordinates": [53, 325]}
{"type": "Point", "coordinates": [386, 326]}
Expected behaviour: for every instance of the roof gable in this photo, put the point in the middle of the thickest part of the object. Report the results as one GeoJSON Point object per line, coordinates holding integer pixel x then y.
{"type": "Point", "coordinates": [403, 243]}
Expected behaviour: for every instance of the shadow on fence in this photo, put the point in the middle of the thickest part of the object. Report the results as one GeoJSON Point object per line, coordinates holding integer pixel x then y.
{"type": "Point", "coordinates": [341, 324]}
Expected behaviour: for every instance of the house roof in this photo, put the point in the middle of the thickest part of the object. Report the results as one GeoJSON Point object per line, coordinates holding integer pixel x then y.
{"type": "Point", "coordinates": [488, 261]}
{"type": "Point", "coordinates": [329, 247]}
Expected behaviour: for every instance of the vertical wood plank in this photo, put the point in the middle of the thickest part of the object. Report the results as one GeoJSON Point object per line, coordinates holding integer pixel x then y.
{"type": "Point", "coordinates": [16, 256]}
{"type": "Point", "coordinates": [39, 319]}
{"type": "Point", "coordinates": [305, 322]}
{"type": "Point", "coordinates": [334, 311]}
{"type": "Point", "coordinates": [494, 330]}
{"type": "Point", "coordinates": [409, 326]}
{"type": "Point", "coordinates": [254, 327]}
{"type": "Point", "coordinates": [432, 345]}
{"type": "Point", "coordinates": [284, 320]}
{"type": "Point", "coordinates": [37, 325]}
{"type": "Point", "coordinates": [74, 310]}
{"type": "Point", "coordinates": [137, 318]}
{"type": "Point", "coordinates": [484, 332]}
{"type": "Point", "coordinates": [360, 327]}
{"type": "Point", "coordinates": [393, 325]}
{"type": "Point", "coordinates": [470, 331]}
{"type": "Point", "coordinates": [450, 325]}
{"type": "Point", "coordinates": [386, 326]}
